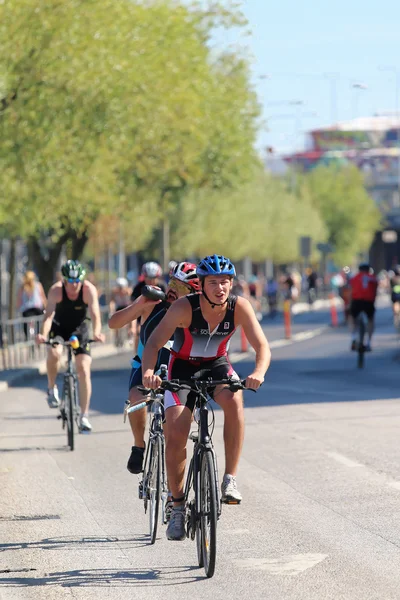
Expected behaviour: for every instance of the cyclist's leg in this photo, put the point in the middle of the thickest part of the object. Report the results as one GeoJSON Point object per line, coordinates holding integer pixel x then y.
{"type": "Point", "coordinates": [83, 362]}
{"type": "Point", "coordinates": [137, 419]}
{"type": "Point", "coordinates": [354, 311]}
{"type": "Point", "coordinates": [370, 312]}
{"type": "Point", "coordinates": [232, 405]}
{"type": "Point", "coordinates": [53, 357]}
{"type": "Point", "coordinates": [396, 309]}
{"type": "Point", "coordinates": [178, 419]}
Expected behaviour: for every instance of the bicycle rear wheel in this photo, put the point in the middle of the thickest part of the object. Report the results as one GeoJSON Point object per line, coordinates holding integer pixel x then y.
{"type": "Point", "coordinates": [69, 404]}
{"type": "Point", "coordinates": [208, 512]}
{"type": "Point", "coordinates": [154, 486]}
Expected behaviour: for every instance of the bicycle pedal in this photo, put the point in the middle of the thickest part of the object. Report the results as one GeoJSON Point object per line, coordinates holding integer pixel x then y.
{"type": "Point", "coordinates": [231, 501]}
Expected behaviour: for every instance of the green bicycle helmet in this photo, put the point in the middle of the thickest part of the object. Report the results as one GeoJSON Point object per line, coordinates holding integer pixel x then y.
{"type": "Point", "coordinates": [73, 270]}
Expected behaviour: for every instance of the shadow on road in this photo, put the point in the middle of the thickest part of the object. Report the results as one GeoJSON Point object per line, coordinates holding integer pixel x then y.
{"type": "Point", "coordinates": [105, 577]}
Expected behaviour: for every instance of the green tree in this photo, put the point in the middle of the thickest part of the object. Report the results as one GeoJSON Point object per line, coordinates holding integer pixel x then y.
{"type": "Point", "coordinates": [349, 213]}
{"type": "Point", "coordinates": [260, 219]}
{"type": "Point", "coordinates": [106, 105]}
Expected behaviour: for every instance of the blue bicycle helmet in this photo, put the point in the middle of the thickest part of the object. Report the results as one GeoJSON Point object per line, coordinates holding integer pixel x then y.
{"type": "Point", "coordinates": [215, 265]}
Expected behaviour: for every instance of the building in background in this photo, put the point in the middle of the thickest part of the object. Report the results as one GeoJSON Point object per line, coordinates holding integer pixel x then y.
{"type": "Point", "coordinates": [372, 144]}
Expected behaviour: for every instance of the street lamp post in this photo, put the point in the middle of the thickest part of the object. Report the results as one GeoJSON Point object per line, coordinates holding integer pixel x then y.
{"type": "Point", "coordinates": [356, 96]}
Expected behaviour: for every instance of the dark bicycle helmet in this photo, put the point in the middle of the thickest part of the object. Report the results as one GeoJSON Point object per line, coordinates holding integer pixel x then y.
{"type": "Point", "coordinates": [364, 267]}
{"type": "Point", "coordinates": [215, 265]}
{"type": "Point", "coordinates": [73, 269]}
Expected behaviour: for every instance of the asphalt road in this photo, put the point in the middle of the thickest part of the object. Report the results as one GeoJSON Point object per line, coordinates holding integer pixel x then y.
{"type": "Point", "coordinates": [320, 477]}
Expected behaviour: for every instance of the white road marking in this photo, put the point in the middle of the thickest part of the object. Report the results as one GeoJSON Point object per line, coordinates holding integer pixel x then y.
{"type": "Point", "coordinates": [340, 458]}
{"type": "Point", "coordinates": [291, 564]}
{"type": "Point", "coordinates": [394, 484]}
{"type": "Point", "coordinates": [381, 479]}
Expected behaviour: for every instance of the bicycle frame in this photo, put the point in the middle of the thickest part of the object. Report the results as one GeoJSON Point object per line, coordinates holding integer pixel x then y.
{"type": "Point", "coordinates": [155, 432]}
{"type": "Point", "coordinates": [202, 443]}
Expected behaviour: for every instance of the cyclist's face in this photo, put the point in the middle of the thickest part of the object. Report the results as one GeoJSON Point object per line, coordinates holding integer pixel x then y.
{"type": "Point", "coordinates": [177, 289]}
{"type": "Point", "coordinates": [218, 287]}
{"type": "Point", "coordinates": [150, 280]}
{"type": "Point", "coordinates": [72, 286]}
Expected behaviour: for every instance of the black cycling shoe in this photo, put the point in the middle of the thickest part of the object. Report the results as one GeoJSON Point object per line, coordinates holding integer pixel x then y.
{"type": "Point", "coordinates": [135, 462]}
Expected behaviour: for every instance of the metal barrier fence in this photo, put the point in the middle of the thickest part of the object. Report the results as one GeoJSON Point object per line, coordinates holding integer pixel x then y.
{"type": "Point", "coordinates": [18, 347]}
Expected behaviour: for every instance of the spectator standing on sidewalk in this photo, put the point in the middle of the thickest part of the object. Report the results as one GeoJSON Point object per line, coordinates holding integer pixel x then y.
{"type": "Point", "coordinates": [312, 279]}
{"type": "Point", "coordinates": [31, 299]}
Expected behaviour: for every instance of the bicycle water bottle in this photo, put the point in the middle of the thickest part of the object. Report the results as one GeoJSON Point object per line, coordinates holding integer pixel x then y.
{"type": "Point", "coordinates": [74, 342]}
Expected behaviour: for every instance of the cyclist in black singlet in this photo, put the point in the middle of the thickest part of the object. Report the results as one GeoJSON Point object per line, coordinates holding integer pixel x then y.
{"type": "Point", "coordinates": [68, 304]}
{"type": "Point", "coordinates": [202, 326]}
{"type": "Point", "coordinates": [183, 281]}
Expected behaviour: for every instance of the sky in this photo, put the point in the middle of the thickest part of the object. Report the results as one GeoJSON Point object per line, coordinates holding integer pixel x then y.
{"type": "Point", "coordinates": [307, 56]}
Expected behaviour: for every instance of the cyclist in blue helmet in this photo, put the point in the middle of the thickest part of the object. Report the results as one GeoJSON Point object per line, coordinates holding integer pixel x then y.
{"type": "Point", "coordinates": [215, 265]}
{"type": "Point", "coordinates": [202, 326]}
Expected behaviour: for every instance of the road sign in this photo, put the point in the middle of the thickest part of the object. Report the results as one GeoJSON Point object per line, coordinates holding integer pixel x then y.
{"type": "Point", "coordinates": [325, 248]}
{"type": "Point", "coordinates": [305, 246]}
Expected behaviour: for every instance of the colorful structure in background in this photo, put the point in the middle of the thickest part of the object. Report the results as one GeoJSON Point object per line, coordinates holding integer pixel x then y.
{"type": "Point", "coordinates": [373, 145]}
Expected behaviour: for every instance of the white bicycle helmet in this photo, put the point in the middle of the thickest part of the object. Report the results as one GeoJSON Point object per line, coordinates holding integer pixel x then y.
{"type": "Point", "coordinates": [151, 270]}
{"type": "Point", "coordinates": [121, 282]}
{"type": "Point", "coordinates": [186, 272]}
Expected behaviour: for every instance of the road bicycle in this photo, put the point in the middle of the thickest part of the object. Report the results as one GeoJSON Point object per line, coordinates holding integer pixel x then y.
{"type": "Point", "coordinates": [69, 407]}
{"type": "Point", "coordinates": [202, 493]}
{"type": "Point", "coordinates": [153, 487]}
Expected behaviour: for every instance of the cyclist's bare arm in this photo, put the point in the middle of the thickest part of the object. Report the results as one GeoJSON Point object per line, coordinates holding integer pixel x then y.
{"type": "Point", "coordinates": [91, 298]}
{"type": "Point", "coordinates": [141, 307]}
{"type": "Point", "coordinates": [179, 315]}
{"type": "Point", "coordinates": [42, 294]}
{"type": "Point", "coordinates": [245, 316]}
{"type": "Point", "coordinates": [54, 297]}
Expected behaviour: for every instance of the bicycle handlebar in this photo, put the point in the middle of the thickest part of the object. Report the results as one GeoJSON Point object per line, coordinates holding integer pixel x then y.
{"type": "Point", "coordinates": [59, 341]}
{"type": "Point", "coordinates": [174, 385]}
{"type": "Point", "coordinates": [179, 384]}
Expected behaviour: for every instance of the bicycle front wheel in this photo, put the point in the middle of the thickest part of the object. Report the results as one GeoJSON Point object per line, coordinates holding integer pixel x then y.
{"type": "Point", "coordinates": [208, 512]}
{"type": "Point", "coordinates": [154, 486]}
{"type": "Point", "coordinates": [69, 405]}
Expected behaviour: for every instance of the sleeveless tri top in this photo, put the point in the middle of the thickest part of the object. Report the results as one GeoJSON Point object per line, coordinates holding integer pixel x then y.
{"type": "Point", "coordinates": [197, 341]}
{"type": "Point", "coordinates": [70, 314]}
{"type": "Point", "coordinates": [147, 329]}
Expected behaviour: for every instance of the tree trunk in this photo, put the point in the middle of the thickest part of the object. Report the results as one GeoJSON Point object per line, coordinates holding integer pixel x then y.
{"type": "Point", "coordinates": [11, 287]}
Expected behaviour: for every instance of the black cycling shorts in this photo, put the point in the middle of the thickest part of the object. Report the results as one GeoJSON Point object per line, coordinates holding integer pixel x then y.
{"type": "Point", "coordinates": [218, 368]}
{"type": "Point", "coordinates": [359, 306]}
{"type": "Point", "coordinates": [82, 333]}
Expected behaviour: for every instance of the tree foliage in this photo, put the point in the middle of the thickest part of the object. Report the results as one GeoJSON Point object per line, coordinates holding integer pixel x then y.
{"type": "Point", "coordinates": [350, 214]}
{"type": "Point", "coordinates": [260, 219]}
{"type": "Point", "coordinates": [105, 106]}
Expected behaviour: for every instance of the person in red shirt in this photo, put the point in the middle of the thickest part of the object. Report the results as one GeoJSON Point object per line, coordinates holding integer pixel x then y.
{"type": "Point", "coordinates": [364, 287]}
